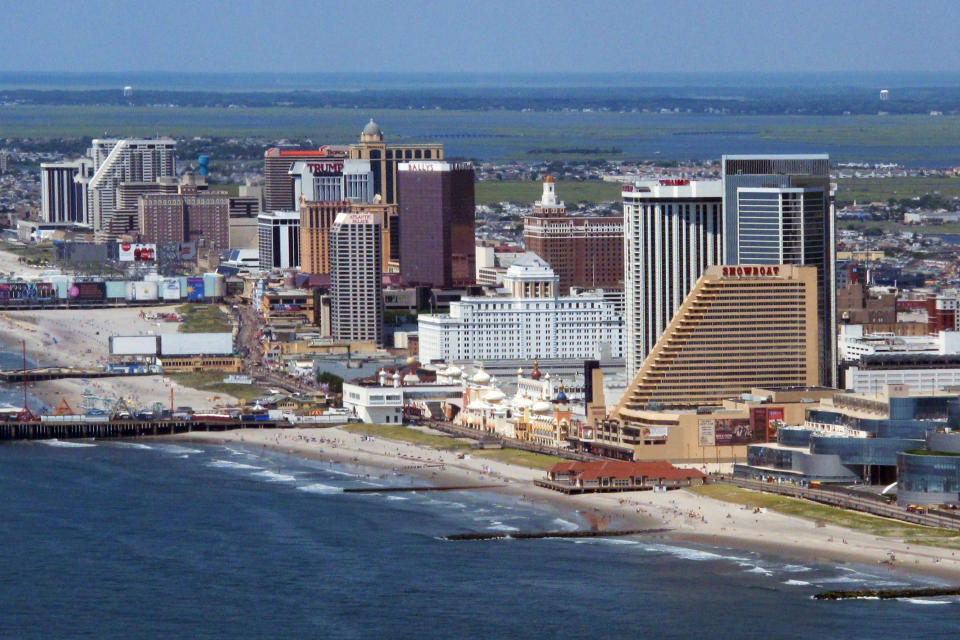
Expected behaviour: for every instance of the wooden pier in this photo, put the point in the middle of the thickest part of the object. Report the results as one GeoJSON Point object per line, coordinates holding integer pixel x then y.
{"type": "Point", "coordinates": [11, 431]}
{"type": "Point", "coordinates": [17, 376]}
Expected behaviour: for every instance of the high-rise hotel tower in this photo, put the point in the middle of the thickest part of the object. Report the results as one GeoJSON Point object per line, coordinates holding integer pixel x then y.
{"type": "Point", "coordinates": [779, 210]}
{"type": "Point", "coordinates": [672, 233]}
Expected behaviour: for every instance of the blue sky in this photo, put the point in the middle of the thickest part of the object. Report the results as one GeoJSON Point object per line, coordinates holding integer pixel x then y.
{"type": "Point", "coordinates": [480, 36]}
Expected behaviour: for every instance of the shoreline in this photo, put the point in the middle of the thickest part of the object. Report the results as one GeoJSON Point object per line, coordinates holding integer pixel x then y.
{"type": "Point", "coordinates": [689, 517]}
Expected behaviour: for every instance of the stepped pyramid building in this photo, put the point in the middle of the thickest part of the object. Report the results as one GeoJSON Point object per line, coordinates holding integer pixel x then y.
{"type": "Point", "coordinates": [740, 328]}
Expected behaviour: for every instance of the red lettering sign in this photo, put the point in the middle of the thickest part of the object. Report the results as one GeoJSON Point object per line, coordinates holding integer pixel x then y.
{"type": "Point", "coordinates": [627, 188]}
{"type": "Point", "coordinates": [325, 168]}
{"type": "Point", "coordinates": [674, 183]}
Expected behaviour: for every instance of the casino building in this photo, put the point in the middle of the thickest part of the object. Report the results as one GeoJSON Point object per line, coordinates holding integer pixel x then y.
{"type": "Point", "coordinates": [530, 321]}
{"type": "Point", "coordinates": [740, 327]}
{"type": "Point", "coordinates": [584, 252]}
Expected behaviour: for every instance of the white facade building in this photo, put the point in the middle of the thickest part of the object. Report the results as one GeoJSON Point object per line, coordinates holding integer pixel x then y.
{"type": "Point", "coordinates": [334, 180]}
{"type": "Point", "coordinates": [854, 344]}
{"type": "Point", "coordinates": [126, 160]}
{"type": "Point", "coordinates": [63, 190]}
{"type": "Point", "coordinates": [673, 231]}
{"type": "Point", "coordinates": [356, 295]}
{"type": "Point", "coordinates": [529, 321]}
{"type": "Point", "coordinates": [279, 240]}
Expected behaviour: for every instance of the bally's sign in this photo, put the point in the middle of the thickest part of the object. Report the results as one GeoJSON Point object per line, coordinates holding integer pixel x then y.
{"type": "Point", "coordinates": [746, 272]}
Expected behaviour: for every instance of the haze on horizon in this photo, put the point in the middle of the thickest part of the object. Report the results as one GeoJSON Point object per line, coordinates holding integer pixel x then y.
{"type": "Point", "coordinates": [498, 36]}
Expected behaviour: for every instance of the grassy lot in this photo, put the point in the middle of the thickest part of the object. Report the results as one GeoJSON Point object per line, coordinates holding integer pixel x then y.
{"type": "Point", "coordinates": [519, 457]}
{"type": "Point", "coordinates": [204, 318]}
{"type": "Point", "coordinates": [212, 381]}
{"type": "Point", "coordinates": [32, 254]}
{"type": "Point", "coordinates": [882, 189]}
{"type": "Point", "coordinates": [873, 525]}
{"type": "Point", "coordinates": [445, 443]}
{"type": "Point", "coordinates": [413, 436]}
{"type": "Point", "coordinates": [526, 192]}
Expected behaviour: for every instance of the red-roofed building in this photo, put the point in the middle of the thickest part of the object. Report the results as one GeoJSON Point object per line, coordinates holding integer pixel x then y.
{"type": "Point", "coordinates": [618, 475]}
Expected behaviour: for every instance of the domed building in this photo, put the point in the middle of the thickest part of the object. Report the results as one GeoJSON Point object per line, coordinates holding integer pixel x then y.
{"type": "Point", "coordinates": [536, 412]}
{"type": "Point", "coordinates": [371, 133]}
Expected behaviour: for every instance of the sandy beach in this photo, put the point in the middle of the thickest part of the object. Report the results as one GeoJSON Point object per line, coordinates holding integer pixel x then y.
{"type": "Point", "coordinates": [689, 516]}
{"type": "Point", "coordinates": [80, 338]}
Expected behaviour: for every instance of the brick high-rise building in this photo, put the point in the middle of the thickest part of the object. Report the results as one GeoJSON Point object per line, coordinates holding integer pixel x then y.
{"type": "Point", "coordinates": [316, 220]}
{"type": "Point", "coordinates": [583, 251]}
{"type": "Point", "coordinates": [190, 215]}
{"type": "Point", "coordinates": [437, 242]}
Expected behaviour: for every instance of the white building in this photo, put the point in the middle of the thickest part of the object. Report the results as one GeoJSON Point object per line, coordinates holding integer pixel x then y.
{"type": "Point", "coordinates": [279, 240]}
{"type": "Point", "coordinates": [673, 231]}
{"type": "Point", "coordinates": [356, 300]}
{"type": "Point", "coordinates": [528, 321]}
{"type": "Point", "coordinates": [854, 343]}
{"type": "Point", "coordinates": [126, 160]}
{"type": "Point", "coordinates": [63, 190]}
{"type": "Point", "coordinates": [334, 180]}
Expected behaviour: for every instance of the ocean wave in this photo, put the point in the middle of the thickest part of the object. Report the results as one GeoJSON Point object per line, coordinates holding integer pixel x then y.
{"type": "Point", "coordinates": [697, 555]}
{"type": "Point", "coordinates": [319, 487]}
{"type": "Point", "coordinates": [62, 443]}
{"type": "Point", "coordinates": [924, 601]}
{"type": "Point", "coordinates": [797, 583]}
{"type": "Point", "coordinates": [496, 525]}
{"type": "Point", "coordinates": [270, 476]}
{"type": "Point", "coordinates": [175, 448]}
{"type": "Point", "coordinates": [760, 570]}
{"type": "Point", "coordinates": [397, 498]}
{"type": "Point", "coordinates": [230, 464]}
{"type": "Point", "coordinates": [133, 445]}
{"type": "Point", "coordinates": [565, 525]}
{"type": "Point", "coordinates": [795, 568]}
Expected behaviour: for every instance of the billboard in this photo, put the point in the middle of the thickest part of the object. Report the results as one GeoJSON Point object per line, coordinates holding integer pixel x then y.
{"type": "Point", "coordinates": [654, 433]}
{"type": "Point", "coordinates": [194, 289]}
{"type": "Point", "coordinates": [136, 252]}
{"type": "Point", "coordinates": [766, 421]}
{"type": "Point", "coordinates": [87, 291]}
{"type": "Point", "coordinates": [26, 291]}
{"type": "Point", "coordinates": [170, 289]}
{"type": "Point", "coordinates": [194, 344]}
{"type": "Point", "coordinates": [708, 433]}
{"type": "Point", "coordinates": [133, 345]}
{"type": "Point", "coordinates": [734, 431]}
{"type": "Point", "coordinates": [142, 290]}
{"type": "Point", "coordinates": [175, 252]}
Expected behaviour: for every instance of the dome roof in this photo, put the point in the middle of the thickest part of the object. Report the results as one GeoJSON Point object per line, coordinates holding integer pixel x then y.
{"type": "Point", "coordinates": [542, 406]}
{"type": "Point", "coordinates": [535, 375]}
{"type": "Point", "coordinates": [453, 372]}
{"type": "Point", "coordinates": [372, 129]}
{"type": "Point", "coordinates": [481, 377]}
{"type": "Point", "coordinates": [549, 177]}
{"type": "Point", "coordinates": [494, 396]}
{"type": "Point", "coordinates": [561, 398]}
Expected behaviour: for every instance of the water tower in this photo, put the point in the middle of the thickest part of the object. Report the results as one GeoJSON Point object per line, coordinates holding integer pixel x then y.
{"type": "Point", "coordinates": [204, 162]}
{"type": "Point", "coordinates": [128, 91]}
{"type": "Point", "coordinates": [884, 95]}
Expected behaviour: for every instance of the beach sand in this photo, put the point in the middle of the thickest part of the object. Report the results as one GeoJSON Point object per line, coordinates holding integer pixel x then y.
{"type": "Point", "coordinates": [690, 517]}
{"type": "Point", "coordinates": [81, 338]}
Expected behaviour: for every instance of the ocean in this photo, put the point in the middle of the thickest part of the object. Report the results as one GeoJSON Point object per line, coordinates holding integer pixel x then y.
{"type": "Point", "coordinates": [156, 540]}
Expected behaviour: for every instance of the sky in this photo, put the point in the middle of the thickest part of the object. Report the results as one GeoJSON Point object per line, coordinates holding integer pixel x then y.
{"type": "Point", "coordinates": [498, 36]}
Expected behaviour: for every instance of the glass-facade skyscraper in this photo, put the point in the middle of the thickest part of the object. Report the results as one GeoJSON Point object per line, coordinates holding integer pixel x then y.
{"type": "Point", "coordinates": [779, 209]}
